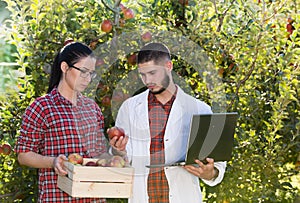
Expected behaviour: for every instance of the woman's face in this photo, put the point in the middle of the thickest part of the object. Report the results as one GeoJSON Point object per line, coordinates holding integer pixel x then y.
{"type": "Point", "coordinates": [79, 75]}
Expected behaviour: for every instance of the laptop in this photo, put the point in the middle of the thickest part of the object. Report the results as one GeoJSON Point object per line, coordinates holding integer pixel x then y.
{"type": "Point", "coordinates": [211, 136]}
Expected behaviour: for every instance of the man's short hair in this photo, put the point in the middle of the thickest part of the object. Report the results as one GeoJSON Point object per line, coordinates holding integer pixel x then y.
{"type": "Point", "coordinates": [156, 52]}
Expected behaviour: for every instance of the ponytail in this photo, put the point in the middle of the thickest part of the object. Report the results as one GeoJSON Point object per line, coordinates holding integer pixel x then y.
{"type": "Point", "coordinates": [55, 74]}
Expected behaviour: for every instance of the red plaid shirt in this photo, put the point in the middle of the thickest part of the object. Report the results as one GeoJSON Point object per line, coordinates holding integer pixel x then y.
{"type": "Point", "coordinates": [51, 126]}
{"type": "Point", "coordinates": [158, 188]}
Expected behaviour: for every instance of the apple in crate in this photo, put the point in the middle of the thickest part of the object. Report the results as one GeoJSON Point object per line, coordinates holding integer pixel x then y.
{"type": "Point", "coordinates": [91, 163]}
{"type": "Point", "coordinates": [117, 161]}
{"type": "Point", "coordinates": [102, 162]}
{"type": "Point", "coordinates": [104, 159]}
{"type": "Point", "coordinates": [75, 158]}
{"type": "Point", "coordinates": [115, 131]}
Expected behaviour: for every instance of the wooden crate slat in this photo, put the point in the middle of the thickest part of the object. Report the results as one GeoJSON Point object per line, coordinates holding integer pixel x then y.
{"type": "Point", "coordinates": [104, 174]}
{"type": "Point", "coordinates": [94, 189]}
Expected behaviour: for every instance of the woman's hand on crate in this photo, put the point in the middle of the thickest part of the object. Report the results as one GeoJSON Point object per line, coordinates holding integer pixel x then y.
{"type": "Point", "coordinates": [58, 165]}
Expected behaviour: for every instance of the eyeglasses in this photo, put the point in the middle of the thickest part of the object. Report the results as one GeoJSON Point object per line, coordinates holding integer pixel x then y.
{"type": "Point", "coordinates": [85, 73]}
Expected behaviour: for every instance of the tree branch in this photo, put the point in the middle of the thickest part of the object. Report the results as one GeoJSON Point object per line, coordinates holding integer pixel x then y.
{"type": "Point", "coordinates": [251, 69]}
{"type": "Point", "coordinates": [8, 195]}
{"type": "Point", "coordinates": [222, 16]}
{"type": "Point", "coordinates": [107, 6]}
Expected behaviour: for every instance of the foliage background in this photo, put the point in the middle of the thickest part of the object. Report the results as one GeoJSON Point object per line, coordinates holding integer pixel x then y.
{"type": "Point", "coordinates": [254, 55]}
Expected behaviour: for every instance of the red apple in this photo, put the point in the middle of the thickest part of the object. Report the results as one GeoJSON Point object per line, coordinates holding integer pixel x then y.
{"type": "Point", "coordinates": [146, 37]}
{"type": "Point", "coordinates": [106, 26]}
{"type": "Point", "coordinates": [115, 131]}
{"type": "Point", "coordinates": [131, 59]}
{"type": "Point", "coordinates": [91, 163]}
{"type": "Point", "coordinates": [75, 158]}
{"type": "Point", "coordinates": [6, 149]}
{"type": "Point", "coordinates": [184, 2]}
{"type": "Point", "coordinates": [117, 161]}
{"type": "Point", "coordinates": [289, 28]}
{"type": "Point", "coordinates": [128, 14]}
{"type": "Point", "coordinates": [106, 101]}
{"type": "Point", "coordinates": [104, 88]}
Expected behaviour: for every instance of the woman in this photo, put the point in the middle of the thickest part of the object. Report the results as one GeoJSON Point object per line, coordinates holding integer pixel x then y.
{"type": "Point", "coordinates": [62, 122]}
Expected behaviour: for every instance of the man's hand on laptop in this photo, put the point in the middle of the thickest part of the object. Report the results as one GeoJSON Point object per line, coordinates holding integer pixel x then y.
{"type": "Point", "coordinates": [205, 171]}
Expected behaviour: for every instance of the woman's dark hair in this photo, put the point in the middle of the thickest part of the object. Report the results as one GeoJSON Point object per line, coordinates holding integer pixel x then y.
{"type": "Point", "coordinates": [156, 52]}
{"type": "Point", "coordinates": [71, 54]}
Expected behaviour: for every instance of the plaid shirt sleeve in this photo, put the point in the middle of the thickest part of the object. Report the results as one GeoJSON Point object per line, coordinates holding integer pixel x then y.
{"type": "Point", "coordinates": [32, 129]}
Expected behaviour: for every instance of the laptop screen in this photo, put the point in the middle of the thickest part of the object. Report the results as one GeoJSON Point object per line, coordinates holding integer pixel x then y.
{"type": "Point", "coordinates": [211, 136]}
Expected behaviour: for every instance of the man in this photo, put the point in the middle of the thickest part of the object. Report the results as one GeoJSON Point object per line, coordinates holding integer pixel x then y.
{"type": "Point", "coordinates": [157, 124]}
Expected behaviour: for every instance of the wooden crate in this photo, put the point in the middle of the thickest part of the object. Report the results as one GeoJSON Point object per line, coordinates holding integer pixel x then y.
{"type": "Point", "coordinates": [89, 181]}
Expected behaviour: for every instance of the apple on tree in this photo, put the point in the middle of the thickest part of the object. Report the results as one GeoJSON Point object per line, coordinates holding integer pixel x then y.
{"type": "Point", "coordinates": [131, 59]}
{"type": "Point", "coordinates": [146, 37]}
{"type": "Point", "coordinates": [103, 87]}
{"type": "Point", "coordinates": [184, 2]}
{"type": "Point", "coordinates": [128, 13]}
{"type": "Point", "coordinates": [6, 149]}
{"type": "Point", "coordinates": [106, 101]}
{"type": "Point", "coordinates": [106, 26]}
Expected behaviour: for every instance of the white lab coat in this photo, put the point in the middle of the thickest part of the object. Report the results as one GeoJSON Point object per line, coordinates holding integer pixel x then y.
{"type": "Point", "coordinates": [133, 118]}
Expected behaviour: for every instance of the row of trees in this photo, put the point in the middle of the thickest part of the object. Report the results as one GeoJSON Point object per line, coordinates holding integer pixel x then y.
{"type": "Point", "coordinates": [236, 55]}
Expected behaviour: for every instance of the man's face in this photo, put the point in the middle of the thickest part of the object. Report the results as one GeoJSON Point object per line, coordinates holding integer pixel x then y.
{"type": "Point", "coordinates": [155, 77]}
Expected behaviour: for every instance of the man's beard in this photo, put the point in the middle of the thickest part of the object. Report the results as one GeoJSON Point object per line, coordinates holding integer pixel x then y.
{"type": "Point", "coordinates": [165, 83]}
